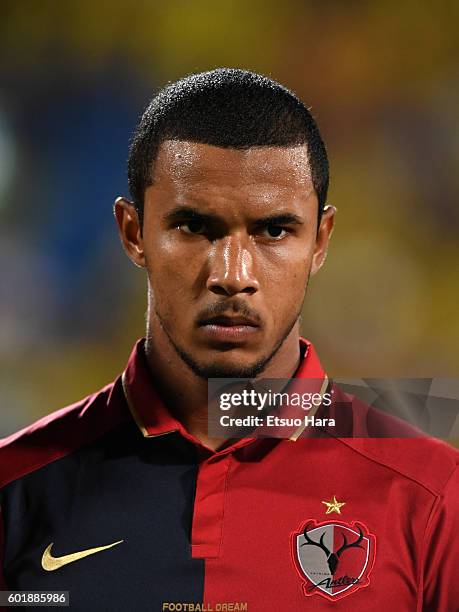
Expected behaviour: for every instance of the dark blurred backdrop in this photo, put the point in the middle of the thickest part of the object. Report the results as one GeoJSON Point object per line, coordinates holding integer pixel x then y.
{"type": "Point", "coordinates": [382, 81]}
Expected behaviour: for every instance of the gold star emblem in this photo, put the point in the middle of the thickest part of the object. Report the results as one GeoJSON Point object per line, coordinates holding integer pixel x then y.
{"type": "Point", "coordinates": [334, 506]}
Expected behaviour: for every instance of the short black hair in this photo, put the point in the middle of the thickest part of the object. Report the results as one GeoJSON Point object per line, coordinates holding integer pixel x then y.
{"type": "Point", "coordinates": [225, 107]}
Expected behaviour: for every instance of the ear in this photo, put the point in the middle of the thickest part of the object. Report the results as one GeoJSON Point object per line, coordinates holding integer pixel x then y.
{"type": "Point", "coordinates": [323, 237]}
{"type": "Point", "coordinates": [130, 230]}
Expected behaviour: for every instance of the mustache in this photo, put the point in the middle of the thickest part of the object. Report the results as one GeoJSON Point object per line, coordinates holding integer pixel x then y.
{"type": "Point", "coordinates": [227, 307]}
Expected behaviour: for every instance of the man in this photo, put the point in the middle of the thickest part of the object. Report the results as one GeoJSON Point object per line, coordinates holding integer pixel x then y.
{"type": "Point", "coordinates": [126, 499]}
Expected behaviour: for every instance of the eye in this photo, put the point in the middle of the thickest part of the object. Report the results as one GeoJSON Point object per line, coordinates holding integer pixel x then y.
{"type": "Point", "coordinates": [275, 232]}
{"type": "Point", "coordinates": [192, 227]}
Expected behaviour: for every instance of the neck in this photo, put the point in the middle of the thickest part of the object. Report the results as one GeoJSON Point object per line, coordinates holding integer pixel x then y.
{"type": "Point", "coordinates": [185, 393]}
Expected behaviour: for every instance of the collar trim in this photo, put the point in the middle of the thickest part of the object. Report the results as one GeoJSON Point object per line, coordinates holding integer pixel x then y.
{"type": "Point", "coordinates": [136, 416]}
{"type": "Point", "coordinates": [151, 415]}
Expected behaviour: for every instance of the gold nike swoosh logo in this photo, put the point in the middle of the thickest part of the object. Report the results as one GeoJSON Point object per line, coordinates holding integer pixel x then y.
{"type": "Point", "coordinates": [50, 563]}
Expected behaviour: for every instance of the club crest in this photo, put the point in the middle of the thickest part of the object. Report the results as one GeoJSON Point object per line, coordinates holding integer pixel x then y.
{"type": "Point", "coordinates": [333, 558]}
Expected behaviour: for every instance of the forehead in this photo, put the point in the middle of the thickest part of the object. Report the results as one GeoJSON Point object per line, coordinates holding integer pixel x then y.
{"type": "Point", "coordinates": [189, 164]}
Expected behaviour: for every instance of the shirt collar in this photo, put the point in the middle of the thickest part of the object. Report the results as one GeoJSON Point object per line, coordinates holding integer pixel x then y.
{"type": "Point", "coordinates": [149, 411]}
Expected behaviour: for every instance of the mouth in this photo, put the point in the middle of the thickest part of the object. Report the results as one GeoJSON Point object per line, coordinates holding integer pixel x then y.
{"type": "Point", "coordinates": [228, 329]}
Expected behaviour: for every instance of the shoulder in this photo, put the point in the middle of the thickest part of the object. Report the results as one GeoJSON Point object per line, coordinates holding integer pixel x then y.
{"type": "Point", "coordinates": [396, 445]}
{"type": "Point", "coordinates": [61, 432]}
{"type": "Point", "coordinates": [426, 461]}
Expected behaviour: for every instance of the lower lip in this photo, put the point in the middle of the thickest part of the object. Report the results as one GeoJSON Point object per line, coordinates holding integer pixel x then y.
{"type": "Point", "coordinates": [229, 333]}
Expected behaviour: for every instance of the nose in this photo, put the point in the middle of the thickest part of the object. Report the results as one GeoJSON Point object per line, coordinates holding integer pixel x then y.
{"type": "Point", "coordinates": [231, 268]}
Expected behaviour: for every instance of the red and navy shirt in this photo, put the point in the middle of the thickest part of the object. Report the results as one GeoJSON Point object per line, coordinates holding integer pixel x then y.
{"type": "Point", "coordinates": [142, 516]}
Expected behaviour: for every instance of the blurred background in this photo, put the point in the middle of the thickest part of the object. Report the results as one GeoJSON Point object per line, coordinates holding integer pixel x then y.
{"type": "Point", "coordinates": [382, 81]}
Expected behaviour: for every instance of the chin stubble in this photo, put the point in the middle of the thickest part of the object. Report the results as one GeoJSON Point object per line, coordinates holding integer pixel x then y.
{"type": "Point", "coordinates": [215, 371]}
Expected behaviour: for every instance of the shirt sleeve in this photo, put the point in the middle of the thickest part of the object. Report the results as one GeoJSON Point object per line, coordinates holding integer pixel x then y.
{"type": "Point", "coordinates": [441, 552]}
{"type": "Point", "coordinates": [3, 586]}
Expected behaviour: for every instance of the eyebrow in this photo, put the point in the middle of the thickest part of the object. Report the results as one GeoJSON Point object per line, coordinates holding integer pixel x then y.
{"type": "Point", "coordinates": [280, 219]}
{"type": "Point", "coordinates": [189, 212]}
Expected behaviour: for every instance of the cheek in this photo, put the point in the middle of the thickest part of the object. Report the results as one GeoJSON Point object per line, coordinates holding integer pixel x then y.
{"type": "Point", "coordinates": [284, 282]}
{"type": "Point", "coordinates": [172, 272]}
{"type": "Point", "coordinates": [287, 269]}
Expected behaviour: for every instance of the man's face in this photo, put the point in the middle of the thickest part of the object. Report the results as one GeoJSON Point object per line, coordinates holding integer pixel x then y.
{"type": "Point", "coordinates": [229, 241]}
